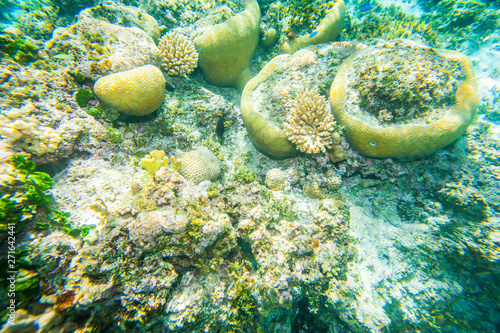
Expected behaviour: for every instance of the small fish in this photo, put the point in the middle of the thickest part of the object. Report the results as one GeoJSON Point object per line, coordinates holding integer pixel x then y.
{"type": "Point", "coordinates": [339, 172]}
{"type": "Point", "coordinates": [63, 56]}
{"type": "Point", "coordinates": [367, 9]}
{"type": "Point", "coordinates": [314, 33]}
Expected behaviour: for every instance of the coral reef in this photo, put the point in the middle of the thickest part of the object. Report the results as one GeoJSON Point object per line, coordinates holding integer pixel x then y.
{"type": "Point", "coordinates": [326, 31]}
{"type": "Point", "coordinates": [309, 124]}
{"type": "Point", "coordinates": [411, 130]}
{"type": "Point", "coordinates": [198, 165]}
{"type": "Point", "coordinates": [276, 180]}
{"type": "Point", "coordinates": [136, 92]}
{"type": "Point", "coordinates": [225, 49]}
{"type": "Point", "coordinates": [177, 53]}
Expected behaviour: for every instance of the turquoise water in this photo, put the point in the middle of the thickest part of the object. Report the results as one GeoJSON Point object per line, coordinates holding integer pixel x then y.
{"type": "Point", "coordinates": [249, 166]}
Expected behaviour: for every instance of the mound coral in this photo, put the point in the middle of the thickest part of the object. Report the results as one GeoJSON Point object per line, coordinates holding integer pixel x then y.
{"type": "Point", "coordinates": [310, 124]}
{"type": "Point", "coordinates": [276, 180]}
{"type": "Point", "coordinates": [403, 99]}
{"type": "Point", "coordinates": [136, 92]}
{"type": "Point", "coordinates": [327, 30]}
{"type": "Point", "coordinates": [226, 49]}
{"type": "Point", "coordinates": [198, 165]}
{"type": "Point", "coordinates": [177, 53]}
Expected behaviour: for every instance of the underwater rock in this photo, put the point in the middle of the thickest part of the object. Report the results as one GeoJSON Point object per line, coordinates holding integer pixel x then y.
{"type": "Point", "coordinates": [225, 49]}
{"type": "Point", "coordinates": [102, 48]}
{"type": "Point", "coordinates": [136, 92]}
{"type": "Point", "coordinates": [126, 16]}
{"type": "Point", "coordinates": [389, 113]}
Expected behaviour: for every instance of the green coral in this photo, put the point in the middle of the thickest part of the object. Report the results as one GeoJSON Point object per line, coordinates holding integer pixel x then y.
{"type": "Point", "coordinates": [82, 96]}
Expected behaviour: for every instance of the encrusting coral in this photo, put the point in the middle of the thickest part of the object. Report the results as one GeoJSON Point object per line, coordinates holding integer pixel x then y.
{"type": "Point", "coordinates": [388, 115]}
{"type": "Point", "coordinates": [310, 124]}
{"type": "Point", "coordinates": [136, 92]}
{"type": "Point", "coordinates": [18, 125]}
{"type": "Point", "coordinates": [327, 30]}
{"type": "Point", "coordinates": [177, 53]}
{"type": "Point", "coordinates": [225, 49]}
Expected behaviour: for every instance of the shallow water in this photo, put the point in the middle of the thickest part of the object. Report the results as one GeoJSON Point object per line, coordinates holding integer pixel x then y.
{"type": "Point", "coordinates": [169, 166]}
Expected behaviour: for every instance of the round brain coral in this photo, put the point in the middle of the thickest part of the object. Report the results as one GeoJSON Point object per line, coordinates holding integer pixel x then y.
{"type": "Point", "coordinates": [136, 92]}
{"type": "Point", "coordinates": [403, 99]}
{"type": "Point", "coordinates": [178, 55]}
{"type": "Point", "coordinates": [198, 165]}
{"type": "Point", "coordinates": [276, 180]}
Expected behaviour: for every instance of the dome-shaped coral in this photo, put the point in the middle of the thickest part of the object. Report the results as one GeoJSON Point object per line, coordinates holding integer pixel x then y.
{"type": "Point", "coordinates": [178, 55]}
{"type": "Point", "coordinates": [402, 99]}
{"type": "Point", "coordinates": [136, 92]}
{"type": "Point", "coordinates": [276, 180]}
{"type": "Point", "coordinates": [198, 165]}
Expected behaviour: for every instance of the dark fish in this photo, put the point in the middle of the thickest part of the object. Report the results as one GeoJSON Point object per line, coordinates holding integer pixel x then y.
{"type": "Point", "coordinates": [169, 87]}
{"type": "Point", "coordinates": [220, 128]}
{"type": "Point", "coordinates": [367, 9]}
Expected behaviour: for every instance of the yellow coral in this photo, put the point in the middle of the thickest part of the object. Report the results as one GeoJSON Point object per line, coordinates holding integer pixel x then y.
{"type": "Point", "coordinates": [198, 165]}
{"type": "Point", "coordinates": [154, 161]}
{"type": "Point", "coordinates": [412, 136]}
{"type": "Point", "coordinates": [178, 55]}
{"type": "Point", "coordinates": [276, 180]}
{"type": "Point", "coordinates": [310, 124]}
{"type": "Point", "coordinates": [227, 48]}
{"type": "Point", "coordinates": [136, 92]}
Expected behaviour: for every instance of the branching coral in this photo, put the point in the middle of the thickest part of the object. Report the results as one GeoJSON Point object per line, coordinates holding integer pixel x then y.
{"type": "Point", "coordinates": [310, 124]}
{"type": "Point", "coordinates": [178, 55]}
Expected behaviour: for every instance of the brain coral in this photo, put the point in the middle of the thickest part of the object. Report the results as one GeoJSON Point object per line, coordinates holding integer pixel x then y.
{"type": "Point", "coordinates": [276, 180]}
{"type": "Point", "coordinates": [310, 123]}
{"type": "Point", "coordinates": [402, 99]}
{"type": "Point", "coordinates": [178, 55]}
{"type": "Point", "coordinates": [136, 92]}
{"type": "Point", "coordinates": [198, 165]}
{"type": "Point", "coordinates": [227, 48]}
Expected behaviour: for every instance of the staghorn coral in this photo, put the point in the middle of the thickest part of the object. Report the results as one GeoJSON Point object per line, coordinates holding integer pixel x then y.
{"type": "Point", "coordinates": [276, 180]}
{"type": "Point", "coordinates": [442, 93]}
{"type": "Point", "coordinates": [136, 92]}
{"type": "Point", "coordinates": [178, 55]}
{"type": "Point", "coordinates": [198, 165]}
{"type": "Point", "coordinates": [227, 48]}
{"type": "Point", "coordinates": [154, 161]}
{"type": "Point", "coordinates": [310, 124]}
